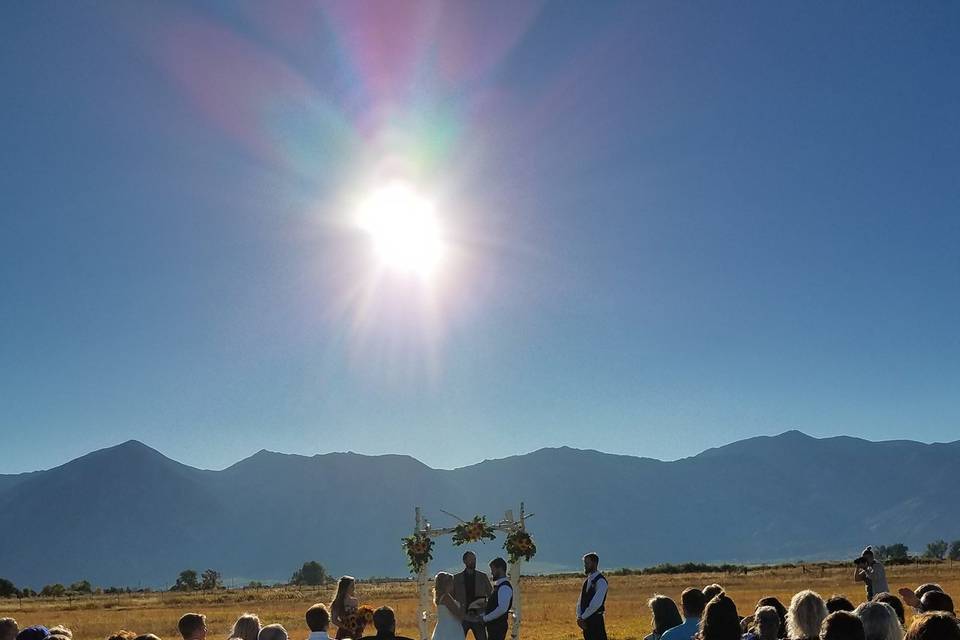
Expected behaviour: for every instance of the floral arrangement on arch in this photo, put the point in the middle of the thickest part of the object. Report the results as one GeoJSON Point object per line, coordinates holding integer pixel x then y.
{"type": "Point", "coordinates": [357, 620]}
{"type": "Point", "coordinates": [519, 544]}
{"type": "Point", "coordinates": [473, 531]}
{"type": "Point", "coordinates": [419, 548]}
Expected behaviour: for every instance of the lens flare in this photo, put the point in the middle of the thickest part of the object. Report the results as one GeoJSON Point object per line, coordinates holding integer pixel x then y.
{"type": "Point", "coordinates": [404, 229]}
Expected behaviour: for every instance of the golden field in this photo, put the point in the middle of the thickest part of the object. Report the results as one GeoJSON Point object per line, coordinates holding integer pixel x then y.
{"type": "Point", "coordinates": [548, 603]}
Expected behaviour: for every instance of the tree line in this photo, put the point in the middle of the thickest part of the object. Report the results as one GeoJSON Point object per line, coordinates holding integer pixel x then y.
{"type": "Point", "coordinates": [311, 573]}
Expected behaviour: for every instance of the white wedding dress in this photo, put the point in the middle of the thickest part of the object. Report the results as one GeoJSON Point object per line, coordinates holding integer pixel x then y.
{"type": "Point", "coordinates": [448, 627]}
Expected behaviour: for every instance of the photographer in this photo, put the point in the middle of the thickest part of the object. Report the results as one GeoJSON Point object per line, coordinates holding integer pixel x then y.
{"type": "Point", "coordinates": [871, 573]}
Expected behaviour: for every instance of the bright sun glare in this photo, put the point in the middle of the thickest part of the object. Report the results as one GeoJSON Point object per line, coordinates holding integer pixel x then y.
{"type": "Point", "coordinates": [404, 229]}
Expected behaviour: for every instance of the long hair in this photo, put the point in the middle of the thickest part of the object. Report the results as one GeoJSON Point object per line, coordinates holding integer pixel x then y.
{"type": "Point", "coordinates": [720, 620]}
{"type": "Point", "coordinates": [880, 621]}
{"type": "Point", "coordinates": [343, 586]}
{"type": "Point", "coordinates": [805, 615]}
{"type": "Point", "coordinates": [665, 613]}
{"type": "Point", "coordinates": [442, 584]}
{"type": "Point", "coordinates": [247, 627]}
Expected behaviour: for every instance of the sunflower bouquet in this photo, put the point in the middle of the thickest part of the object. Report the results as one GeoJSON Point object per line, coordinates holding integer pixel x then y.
{"type": "Point", "coordinates": [519, 545]}
{"type": "Point", "coordinates": [419, 548]}
{"type": "Point", "coordinates": [355, 621]}
{"type": "Point", "coordinates": [472, 531]}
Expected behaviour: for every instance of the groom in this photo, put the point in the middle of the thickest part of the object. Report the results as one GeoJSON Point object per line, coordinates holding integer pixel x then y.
{"type": "Point", "coordinates": [469, 585]}
{"type": "Point", "coordinates": [499, 602]}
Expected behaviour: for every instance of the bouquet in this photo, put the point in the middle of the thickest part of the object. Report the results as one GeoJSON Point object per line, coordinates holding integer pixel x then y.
{"type": "Point", "coordinates": [519, 545]}
{"type": "Point", "coordinates": [355, 621]}
{"type": "Point", "coordinates": [472, 531]}
{"type": "Point", "coordinates": [419, 548]}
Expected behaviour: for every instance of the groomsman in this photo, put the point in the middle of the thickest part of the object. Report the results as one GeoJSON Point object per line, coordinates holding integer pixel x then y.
{"type": "Point", "coordinates": [499, 602]}
{"type": "Point", "coordinates": [593, 595]}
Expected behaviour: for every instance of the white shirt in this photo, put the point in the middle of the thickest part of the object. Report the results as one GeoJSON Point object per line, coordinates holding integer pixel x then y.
{"type": "Point", "coordinates": [318, 635]}
{"type": "Point", "coordinates": [877, 576]}
{"type": "Point", "coordinates": [503, 600]}
{"type": "Point", "coordinates": [597, 599]}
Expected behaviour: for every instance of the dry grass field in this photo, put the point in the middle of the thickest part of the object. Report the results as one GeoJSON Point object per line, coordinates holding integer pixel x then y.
{"type": "Point", "coordinates": [548, 603]}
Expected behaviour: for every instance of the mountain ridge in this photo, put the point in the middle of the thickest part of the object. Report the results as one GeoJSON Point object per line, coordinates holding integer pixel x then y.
{"type": "Point", "coordinates": [128, 514]}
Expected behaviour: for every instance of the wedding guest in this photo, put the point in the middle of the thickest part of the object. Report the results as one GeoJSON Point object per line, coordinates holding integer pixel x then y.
{"type": "Point", "coordinates": [912, 598]}
{"type": "Point", "coordinates": [773, 601]}
{"type": "Point", "coordinates": [839, 603]}
{"type": "Point", "coordinates": [318, 621]}
{"type": "Point", "coordinates": [591, 605]}
{"type": "Point", "coordinates": [692, 602]}
{"type": "Point", "coordinates": [468, 586]}
{"type": "Point", "coordinates": [499, 602]}
{"type": "Point", "coordinates": [147, 636]}
{"type": "Point", "coordinates": [8, 629]}
{"type": "Point", "coordinates": [805, 615]}
{"type": "Point", "coordinates": [273, 632]}
{"type": "Point", "coordinates": [665, 616]}
{"type": "Point", "coordinates": [720, 619]}
{"type": "Point", "coordinates": [933, 626]}
{"type": "Point", "coordinates": [936, 601]}
{"type": "Point", "coordinates": [879, 621]}
{"type": "Point", "coordinates": [193, 626]}
{"type": "Point", "coordinates": [36, 632]}
{"type": "Point", "coordinates": [345, 603]}
{"type": "Point", "coordinates": [711, 590]}
{"type": "Point", "coordinates": [385, 622]}
{"type": "Point", "coordinates": [894, 602]}
{"type": "Point", "coordinates": [841, 625]}
{"type": "Point", "coordinates": [61, 632]}
{"type": "Point", "coordinates": [767, 623]}
{"type": "Point", "coordinates": [123, 634]}
{"type": "Point", "coordinates": [247, 627]}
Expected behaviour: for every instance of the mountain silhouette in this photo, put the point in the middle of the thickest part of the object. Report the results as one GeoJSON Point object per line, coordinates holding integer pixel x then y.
{"type": "Point", "coordinates": [128, 515]}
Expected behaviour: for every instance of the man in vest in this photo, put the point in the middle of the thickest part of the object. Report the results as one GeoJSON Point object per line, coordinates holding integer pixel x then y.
{"type": "Point", "coordinates": [593, 595]}
{"type": "Point", "coordinates": [499, 602]}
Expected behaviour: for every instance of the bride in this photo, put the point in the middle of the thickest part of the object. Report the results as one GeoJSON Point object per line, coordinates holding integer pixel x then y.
{"type": "Point", "coordinates": [449, 612]}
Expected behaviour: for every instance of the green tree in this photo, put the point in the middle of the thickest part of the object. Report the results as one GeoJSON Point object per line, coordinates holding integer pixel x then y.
{"type": "Point", "coordinates": [187, 581]}
{"type": "Point", "coordinates": [210, 580]}
{"type": "Point", "coordinates": [936, 549]}
{"type": "Point", "coordinates": [53, 590]}
{"type": "Point", "coordinates": [896, 551]}
{"type": "Point", "coordinates": [954, 553]}
{"type": "Point", "coordinates": [311, 573]}
{"type": "Point", "coordinates": [7, 588]}
{"type": "Point", "coordinates": [83, 586]}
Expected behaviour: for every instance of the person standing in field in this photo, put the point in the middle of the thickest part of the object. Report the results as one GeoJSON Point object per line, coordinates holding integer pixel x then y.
{"type": "Point", "coordinates": [593, 597]}
{"type": "Point", "coordinates": [692, 602]}
{"type": "Point", "coordinates": [499, 602]}
{"type": "Point", "coordinates": [344, 604]}
{"type": "Point", "coordinates": [871, 573]}
{"type": "Point", "coordinates": [469, 586]}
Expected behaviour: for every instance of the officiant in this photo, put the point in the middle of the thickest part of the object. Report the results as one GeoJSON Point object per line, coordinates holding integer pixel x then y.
{"type": "Point", "coordinates": [471, 586]}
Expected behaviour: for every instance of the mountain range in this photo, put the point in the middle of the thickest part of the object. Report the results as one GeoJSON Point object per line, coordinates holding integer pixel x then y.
{"type": "Point", "coordinates": [128, 515]}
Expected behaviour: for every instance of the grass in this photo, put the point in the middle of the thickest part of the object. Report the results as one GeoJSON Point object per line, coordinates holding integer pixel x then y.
{"type": "Point", "coordinates": [548, 603]}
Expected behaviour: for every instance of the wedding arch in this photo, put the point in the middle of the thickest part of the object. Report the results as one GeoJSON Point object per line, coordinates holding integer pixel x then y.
{"type": "Point", "coordinates": [518, 546]}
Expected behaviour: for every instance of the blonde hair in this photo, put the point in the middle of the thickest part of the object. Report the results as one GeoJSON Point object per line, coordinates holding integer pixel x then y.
{"type": "Point", "coordinates": [805, 615]}
{"type": "Point", "coordinates": [62, 631]}
{"type": "Point", "coordinates": [247, 627]}
{"type": "Point", "coordinates": [442, 581]}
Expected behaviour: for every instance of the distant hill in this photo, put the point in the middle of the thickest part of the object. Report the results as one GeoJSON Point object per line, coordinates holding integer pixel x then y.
{"type": "Point", "coordinates": [127, 515]}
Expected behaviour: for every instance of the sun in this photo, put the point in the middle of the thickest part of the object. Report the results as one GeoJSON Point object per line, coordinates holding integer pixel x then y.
{"type": "Point", "coordinates": [404, 229]}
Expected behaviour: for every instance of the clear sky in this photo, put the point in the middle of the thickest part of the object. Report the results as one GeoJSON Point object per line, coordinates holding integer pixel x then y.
{"type": "Point", "coordinates": [666, 226]}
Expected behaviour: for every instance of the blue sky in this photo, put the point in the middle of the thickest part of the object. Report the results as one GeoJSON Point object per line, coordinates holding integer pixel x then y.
{"type": "Point", "coordinates": [673, 225]}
